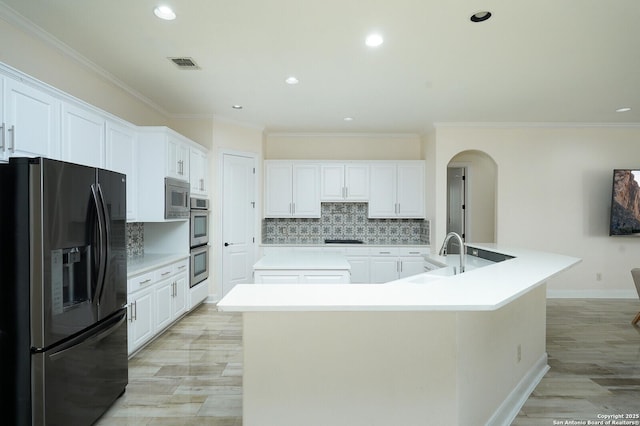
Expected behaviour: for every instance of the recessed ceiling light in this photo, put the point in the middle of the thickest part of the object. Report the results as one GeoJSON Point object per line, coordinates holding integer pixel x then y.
{"type": "Point", "coordinates": [374, 40]}
{"type": "Point", "coordinates": [625, 109]}
{"type": "Point", "coordinates": [480, 16]}
{"type": "Point", "coordinates": [164, 12]}
{"type": "Point", "coordinates": [236, 106]}
{"type": "Point", "coordinates": [292, 80]}
{"type": "Point", "coordinates": [348, 119]}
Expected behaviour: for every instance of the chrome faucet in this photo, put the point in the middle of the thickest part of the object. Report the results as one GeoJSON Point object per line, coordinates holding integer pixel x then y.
{"type": "Point", "coordinates": [443, 249]}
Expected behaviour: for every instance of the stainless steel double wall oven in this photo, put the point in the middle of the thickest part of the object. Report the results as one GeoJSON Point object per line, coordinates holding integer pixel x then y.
{"type": "Point", "coordinates": [199, 241]}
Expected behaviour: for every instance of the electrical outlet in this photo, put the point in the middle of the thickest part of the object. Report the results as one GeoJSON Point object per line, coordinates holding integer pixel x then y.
{"type": "Point", "coordinates": [598, 276]}
{"type": "Point", "coordinates": [519, 352]}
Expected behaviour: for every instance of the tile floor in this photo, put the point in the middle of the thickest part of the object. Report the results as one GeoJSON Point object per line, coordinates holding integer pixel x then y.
{"type": "Point", "coordinates": [192, 374]}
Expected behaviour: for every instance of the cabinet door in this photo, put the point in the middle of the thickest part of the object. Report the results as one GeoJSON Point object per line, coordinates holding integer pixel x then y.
{"type": "Point", "coordinates": [177, 159]}
{"type": "Point", "coordinates": [411, 266]}
{"type": "Point", "coordinates": [278, 186]}
{"type": "Point", "coordinates": [325, 278]}
{"type": "Point", "coordinates": [359, 269]}
{"type": "Point", "coordinates": [283, 278]}
{"type": "Point", "coordinates": [32, 123]}
{"type": "Point", "coordinates": [122, 157]}
{"type": "Point", "coordinates": [141, 326]}
{"type": "Point", "coordinates": [83, 136]}
{"type": "Point", "coordinates": [383, 269]}
{"type": "Point", "coordinates": [164, 296]}
{"type": "Point", "coordinates": [382, 190]}
{"type": "Point", "coordinates": [180, 295]}
{"type": "Point", "coordinates": [332, 182]}
{"type": "Point", "coordinates": [306, 190]}
{"type": "Point", "coordinates": [411, 190]}
{"type": "Point", "coordinates": [356, 179]}
{"type": "Point", "coordinates": [198, 171]}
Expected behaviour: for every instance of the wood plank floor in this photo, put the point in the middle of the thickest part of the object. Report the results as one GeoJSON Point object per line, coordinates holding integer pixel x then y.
{"type": "Point", "coordinates": [192, 374]}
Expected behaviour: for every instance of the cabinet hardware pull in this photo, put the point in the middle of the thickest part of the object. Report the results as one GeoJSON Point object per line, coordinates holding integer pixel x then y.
{"type": "Point", "coordinates": [130, 312]}
{"type": "Point", "coordinates": [182, 266]}
{"type": "Point", "coordinates": [201, 184]}
{"type": "Point", "coordinates": [2, 137]}
{"type": "Point", "coordinates": [145, 281]}
{"type": "Point", "coordinates": [135, 310]}
{"type": "Point", "coordinates": [166, 273]}
{"type": "Point", "coordinates": [384, 252]}
{"type": "Point", "coordinates": [12, 129]}
{"type": "Point", "coordinates": [294, 208]}
{"type": "Point", "coordinates": [346, 192]}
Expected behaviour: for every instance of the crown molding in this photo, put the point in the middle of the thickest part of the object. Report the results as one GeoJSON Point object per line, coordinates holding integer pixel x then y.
{"type": "Point", "coordinates": [13, 17]}
{"type": "Point", "coordinates": [343, 135]}
{"type": "Point", "coordinates": [540, 125]}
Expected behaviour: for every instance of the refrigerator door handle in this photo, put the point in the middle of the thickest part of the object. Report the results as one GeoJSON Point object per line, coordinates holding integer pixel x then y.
{"type": "Point", "coordinates": [102, 258]}
{"type": "Point", "coordinates": [91, 336]}
{"type": "Point", "coordinates": [107, 240]}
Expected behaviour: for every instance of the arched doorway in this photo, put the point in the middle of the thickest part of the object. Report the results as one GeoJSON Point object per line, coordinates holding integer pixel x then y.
{"type": "Point", "coordinates": [471, 196]}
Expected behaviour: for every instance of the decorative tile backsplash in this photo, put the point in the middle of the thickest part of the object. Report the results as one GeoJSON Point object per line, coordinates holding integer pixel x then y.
{"type": "Point", "coordinates": [345, 221]}
{"type": "Point", "coordinates": [135, 240]}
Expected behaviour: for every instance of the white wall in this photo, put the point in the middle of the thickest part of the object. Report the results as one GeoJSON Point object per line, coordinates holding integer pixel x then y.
{"type": "Point", "coordinates": [39, 58]}
{"type": "Point", "coordinates": [554, 189]}
{"type": "Point", "coordinates": [335, 146]}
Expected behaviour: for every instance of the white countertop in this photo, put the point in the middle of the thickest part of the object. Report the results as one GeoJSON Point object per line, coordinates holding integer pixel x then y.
{"type": "Point", "coordinates": [140, 265]}
{"type": "Point", "coordinates": [303, 260]}
{"type": "Point", "coordinates": [484, 288]}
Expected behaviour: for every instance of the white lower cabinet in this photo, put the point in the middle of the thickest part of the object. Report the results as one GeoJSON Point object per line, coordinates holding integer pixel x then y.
{"type": "Point", "coordinates": [392, 263]}
{"type": "Point", "coordinates": [369, 264]}
{"type": "Point", "coordinates": [301, 277]}
{"type": "Point", "coordinates": [156, 300]}
{"type": "Point", "coordinates": [360, 269]}
{"type": "Point", "coordinates": [140, 315]}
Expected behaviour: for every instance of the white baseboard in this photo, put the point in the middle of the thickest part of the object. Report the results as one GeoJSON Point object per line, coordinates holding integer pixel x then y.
{"type": "Point", "coordinates": [591, 294]}
{"type": "Point", "coordinates": [510, 407]}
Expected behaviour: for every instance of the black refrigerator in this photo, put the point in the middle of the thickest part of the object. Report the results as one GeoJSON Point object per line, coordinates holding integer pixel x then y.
{"type": "Point", "coordinates": [63, 285]}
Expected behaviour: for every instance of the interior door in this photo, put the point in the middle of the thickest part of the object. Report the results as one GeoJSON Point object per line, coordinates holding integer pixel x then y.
{"type": "Point", "coordinates": [456, 181]}
{"type": "Point", "coordinates": [238, 218]}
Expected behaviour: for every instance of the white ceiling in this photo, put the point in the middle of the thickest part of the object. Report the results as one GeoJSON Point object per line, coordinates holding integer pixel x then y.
{"type": "Point", "coordinates": [534, 61]}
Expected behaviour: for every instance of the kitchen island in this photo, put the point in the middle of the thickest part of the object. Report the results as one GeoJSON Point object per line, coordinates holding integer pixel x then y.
{"type": "Point", "coordinates": [421, 350]}
{"type": "Point", "coordinates": [306, 267]}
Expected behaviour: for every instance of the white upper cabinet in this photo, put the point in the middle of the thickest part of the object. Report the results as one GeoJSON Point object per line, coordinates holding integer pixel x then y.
{"type": "Point", "coordinates": [30, 120]}
{"type": "Point", "coordinates": [198, 171]}
{"type": "Point", "coordinates": [397, 190]}
{"type": "Point", "coordinates": [177, 158]}
{"type": "Point", "coordinates": [122, 157]}
{"type": "Point", "coordinates": [344, 182]}
{"type": "Point", "coordinates": [83, 136]}
{"type": "Point", "coordinates": [163, 153]}
{"type": "Point", "coordinates": [292, 189]}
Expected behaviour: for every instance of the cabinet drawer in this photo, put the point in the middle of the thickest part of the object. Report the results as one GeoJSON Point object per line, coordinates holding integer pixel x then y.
{"type": "Point", "coordinates": [165, 272]}
{"type": "Point", "coordinates": [358, 251]}
{"type": "Point", "coordinates": [182, 266]}
{"type": "Point", "coordinates": [139, 282]}
{"type": "Point", "coordinates": [414, 251]}
{"type": "Point", "coordinates": [385, 251]}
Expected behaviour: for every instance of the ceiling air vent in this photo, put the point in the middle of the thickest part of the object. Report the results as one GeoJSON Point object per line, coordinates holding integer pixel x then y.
{"type": "Point", "coordinates": [185, 63]}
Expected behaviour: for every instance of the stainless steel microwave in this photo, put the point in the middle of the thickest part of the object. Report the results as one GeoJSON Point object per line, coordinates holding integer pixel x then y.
{"type": "Point", "coordinates": [176, 199]}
